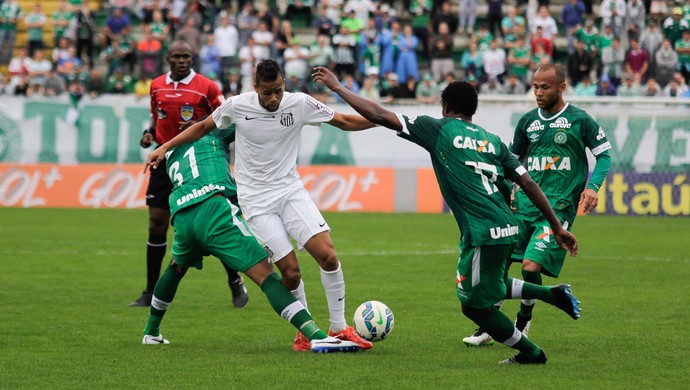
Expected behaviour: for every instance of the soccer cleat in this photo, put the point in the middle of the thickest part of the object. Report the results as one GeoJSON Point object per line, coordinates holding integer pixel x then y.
{"type": "Point", "coordinates": [154, 340]}
{"type": "Point", "coordinates": [350, 334]}
{"type": "Point", "coordinates": [301, 343]}
{"type": "Point", "coordinates": [522, 323]}
{"type": "Point", "coordinates": [521, 358]}
{"type": "Point", "coordinates": [566, 301]}
{"type": "Point", "coordinates": [239, 293]}
{"type": "Point", "coordinates": [143, 301]}
{"type": "Point", "coordinates": [479, 339]}
{"type": "Point", "coordinates": [331, 344]}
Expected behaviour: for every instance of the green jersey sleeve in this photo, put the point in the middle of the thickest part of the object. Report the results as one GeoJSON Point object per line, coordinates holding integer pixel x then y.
{"type": "Point", "coordinates": [422, 130]}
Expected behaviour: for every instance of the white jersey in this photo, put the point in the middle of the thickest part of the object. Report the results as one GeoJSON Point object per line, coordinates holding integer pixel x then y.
{"type": "Point", "coordinates": [266, 145]}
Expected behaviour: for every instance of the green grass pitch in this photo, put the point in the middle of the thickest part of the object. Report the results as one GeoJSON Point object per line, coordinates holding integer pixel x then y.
{"type": "Point", "coordinates": [67, 276]}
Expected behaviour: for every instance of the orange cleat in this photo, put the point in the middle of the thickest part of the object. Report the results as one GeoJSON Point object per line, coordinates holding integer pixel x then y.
{"type": "Point", "coordinates": [301, 343]}
{"type": "Point", "coordinates": [351, 334]}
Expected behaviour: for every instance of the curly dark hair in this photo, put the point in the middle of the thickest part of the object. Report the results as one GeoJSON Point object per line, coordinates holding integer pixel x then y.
{"type": "Point", "coordinates": [268, 70]}
{"type": "Point", "coordinates": [460, 97]}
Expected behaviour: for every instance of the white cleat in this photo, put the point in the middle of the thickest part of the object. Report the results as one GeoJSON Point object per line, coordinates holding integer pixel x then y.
{"type": "Point", "coordinates": [331, 344]}
{"type": "Point", "coordinates": [154, 340]}
{"type": "Point", "coordinates": [479, 339]}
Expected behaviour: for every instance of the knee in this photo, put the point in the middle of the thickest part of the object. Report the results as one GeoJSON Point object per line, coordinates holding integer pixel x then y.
{"type": "Point", "coordinates": [291, 278]}
{"type": "Point", "coordinates": [530, 266]}
{"type": "Point", "coordinates": [328, 260]}
{"type": "Point", "coordinates": [476, 315]}
{"type": "Point", "coordinates": [158, 225]}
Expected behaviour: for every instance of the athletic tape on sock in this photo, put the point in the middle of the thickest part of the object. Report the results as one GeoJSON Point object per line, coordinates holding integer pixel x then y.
{"type": "Point", "coordinates": [291, 310]}
{"type": "Point", "coordinates": [158, 304]}
{"type": "Point", "coordinates": [516, 290]}
{"type": "Point", "coordinates": [514, 338]}
{"type": "Point", "coordinates": [529, 302]}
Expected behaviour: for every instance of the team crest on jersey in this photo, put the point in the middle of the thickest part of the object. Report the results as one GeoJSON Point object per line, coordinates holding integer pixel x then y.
{"type": "Point", "coordinates": [560, 138]}
{"type": "Point", "coordinates": [186, 112]}
{"type": "Point", "coordinates": [287, 119]}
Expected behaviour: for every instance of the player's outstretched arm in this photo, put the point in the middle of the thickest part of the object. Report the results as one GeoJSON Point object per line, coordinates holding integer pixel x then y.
{"type": "Point", "coordinates": [369, 109]}
{"type": "Point", "coordinates": [191, 134]}
{"type": "Point", "coordinates": [563, 237]}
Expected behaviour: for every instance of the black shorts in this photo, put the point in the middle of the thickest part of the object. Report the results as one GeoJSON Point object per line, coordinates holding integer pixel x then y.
{"type": "Point", "coordinates": [159, 188]}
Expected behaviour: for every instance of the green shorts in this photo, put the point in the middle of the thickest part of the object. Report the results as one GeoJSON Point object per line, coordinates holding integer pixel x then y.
{"type": "Point", "coordinates": [536, 243]}
{"type": "Point", "coordinates": [215, 227]}
{"type": "Point", "coordinates": [480, 281]}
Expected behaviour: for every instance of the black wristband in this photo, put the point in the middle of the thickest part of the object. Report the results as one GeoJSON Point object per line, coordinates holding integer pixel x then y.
{"type": "Point", "coordinates": [150, 130]}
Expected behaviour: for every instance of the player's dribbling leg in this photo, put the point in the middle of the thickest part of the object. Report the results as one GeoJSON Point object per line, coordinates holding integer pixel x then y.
{"type": "Point", "coordinates": [163, 295]}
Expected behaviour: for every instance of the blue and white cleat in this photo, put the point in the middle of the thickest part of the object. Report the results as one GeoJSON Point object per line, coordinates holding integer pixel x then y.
{"type": "Point", "coordinates": [566, 301]}
{"type": "Point", "coordinates": [332, 344]}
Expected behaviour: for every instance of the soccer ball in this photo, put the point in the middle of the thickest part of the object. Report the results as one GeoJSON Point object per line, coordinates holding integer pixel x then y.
{"type": "Point", "coordinates": [373, 320]}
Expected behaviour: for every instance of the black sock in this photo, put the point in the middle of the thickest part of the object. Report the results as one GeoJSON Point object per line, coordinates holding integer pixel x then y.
{"type": "Point", "coordinates": [232, 274]}
{"type": "Point", "coordinates": [155, 252]}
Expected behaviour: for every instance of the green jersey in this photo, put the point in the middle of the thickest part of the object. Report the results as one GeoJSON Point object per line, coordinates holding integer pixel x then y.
{"type": "Point", "coordinates": [200, 170]}
{"type": "Point", "coordinates": [471, 166]}
{"type": "Point", "coordinates": [553, 151]}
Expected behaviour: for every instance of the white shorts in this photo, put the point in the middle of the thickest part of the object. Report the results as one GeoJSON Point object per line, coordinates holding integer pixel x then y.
{"type": "Point", "coordinates": [294, 215]}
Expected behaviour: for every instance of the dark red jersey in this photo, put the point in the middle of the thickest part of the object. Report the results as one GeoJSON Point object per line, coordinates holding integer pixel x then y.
{"type": "Point", "coordinates": [172, 102]}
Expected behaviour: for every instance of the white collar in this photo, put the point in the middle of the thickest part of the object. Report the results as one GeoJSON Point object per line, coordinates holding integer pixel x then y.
{"type": "Point", "coordinates": [186, 80]}
{"type": "Point", "coordinates": [541, 113]}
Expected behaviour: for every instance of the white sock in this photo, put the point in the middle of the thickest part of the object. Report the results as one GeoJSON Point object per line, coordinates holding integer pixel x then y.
{"type": "Point", "coordinates": [300, 295]}
{"type": "Point", "coordinates": [334, 285]}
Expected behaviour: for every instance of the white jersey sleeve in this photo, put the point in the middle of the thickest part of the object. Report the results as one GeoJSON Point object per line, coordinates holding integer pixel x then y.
{"type": "Point", "coordinates": [315, 112]}
{"type": "Point", "coordinates": [223, 116]}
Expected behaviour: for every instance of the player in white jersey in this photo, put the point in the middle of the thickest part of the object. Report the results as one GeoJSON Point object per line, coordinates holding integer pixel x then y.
{"type": "Point", "coordinates": [272, 197]}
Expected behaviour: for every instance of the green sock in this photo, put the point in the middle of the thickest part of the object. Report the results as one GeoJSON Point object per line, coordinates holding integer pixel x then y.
{"type": "Point", "coordinates": [289, 308]}
{"type": "Point", "coordinates": [163, 294]}
{"type": "Point", "coordinates": [501, 328]}
{"type": "Point", "coordinates": [534, 278]}
{"type": "Point", "coordinates": [529, 291]}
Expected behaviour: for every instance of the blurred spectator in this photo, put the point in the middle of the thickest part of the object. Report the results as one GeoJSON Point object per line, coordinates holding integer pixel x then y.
{"type": "Point", "coordinates": [193, 12]}
{"type": "Point", "coordinates": [334, 12]}
{"type": "Point", "coordinates": [682, 47]}
{"type": "Point", "coordinates": [589, 35]}
{"type": "Point", "coordinates": [539, 58]}
{"type": "Point", "coordinates": [442, 52]}
{"type": "Point", "coordinates": [606, 87]}
{"type": "Point", "coordinates": [149, 55]}
{"type": "Point", "coordinates": [471, 61]}
{"type": "Point", "coordinates": [447, 79]}
{"type": "Point", "coordinates": [209, 57]}
{"type": "Point", "coordinates": [446, 16]}
{"type": "Point", "coordinates": [344, 59]}
{"type": "Point", "coordinates": [233, 84]}
{"type": "Point", "coordinates": [630, 87]}
{"type": "Point", "coordinates": [227, 39]}
{"type": "Point", "coordinates": [580, 64]}
{"type": "Point", "coordinates": [538, 39]}
{"type": "Point", "coordinates": [263, 38]}
{"type": "Point", "coordinates": [353, 24]}
{"type": "Point", "coordinates": [295, 83]}
{"type": "Point", "coordinates": [513, 25]}
{"type": "Point", "coordinates": [10, 15]}
{"type": "Point", "coordinates": [116, 55]}
{"type": "Point", "coordinates": [53, 85]}
{"type": "Point", "coordinates": [250, 55]}
{"type": "Point", "coordinates": [572, 18]}
{"type": "Point", "coordinates": [635, 19]}
{"type": "Point", "coordinates": [321, 53]}
{"type": "Point", "coordinates": [120, 82]}
{"type": "Point", "coordinates": [96, 84]}
{"type": "Point", "coordinates": [427, 90]}
{"type": "Point", "coordinates": [494, 61]}
{"type": "Point", "coordinates": [651, 89]}
{"type": "Point", "coordinates": [491, 87]}
{"type": "Point", "coordinates": [657, 11]}
{"type": "Point", "coordinates": [301, 8]}
{"type": "Point", "coordinates": [484, 38]}
{"type": "Point", "coordinates": [650, 41]}
{"type": "Point", "coordinates": [369, 48]}
{"type": "Point", "coordinates": [116, 21]}
{"type": "Point", "coordinates": [467, 16]}
{"type": "Point", "coordinates": [191, 34]}
{"type": "Point", "coordinates": [160, 28]}
{"type": "Point", "coordinates": [323, 24]}
{"type": "Point", "coordinates": [605, 40]}
{"type": "Point", "coordinates": [675, 24]}
{"type": "Point", "coordinates": [519, 59]}
{"type": "Point", "coordinates": [494, 16]}
{"type": "Point", "coordinates": [369, 88]}
{"type": "Point", "coordinates": [39, 67]}
{"type": "Point", "coordinates": [22, 87]}
{"type": "Point", "coordinates": [421, 21]}
{"type": "Point", "coordinates": [666, 63]}
{"type": "Point", "coordinates": [408, 89]}
{"type": "Point", "coordinates": [612, 13]}
{"type": "Point", "coordinates": [296, 57]}
{"type": "Point", "coordinates": [350, 83]}
{"type": "Point", "coordinates": [247, 22]}
{"type": "Point", "coordinates": [283, 39]}
{"type": "Point", "coordinates": [513, 86]}
{"type": "Point", "coordinates": [406, 65]}
{"type": "Point", "coordinates": [389, 40]}
{"type": "Point", "coordinates": [18, 68]}
{"type": "Point", "coordinates": [636, 61]}
{"type": "Point", "coordinates": [674, 89]}
{"type": "Point", "coordinates": [61, 51]}
{"type": "Point", "coordinates": [585, 88]}
{"type": "Point", "coordinates": [390, 87]}
{"type": "Point", "coordinates": [60, 20]}
{"type": "Point", "coordinates": [35, 22]}
{"type": "Point", "coordinates": [384, 17]}
{"type": "Point", "coordinates": [361, 9]}
{"type": "Point", "coordinates": [70, 66]}
{"type": "Point", "coordinates": [82, 30]}
{"type": "Point", "coordinates": [612, 60]}
{"type": "Point", "coordinates": [546, 22]}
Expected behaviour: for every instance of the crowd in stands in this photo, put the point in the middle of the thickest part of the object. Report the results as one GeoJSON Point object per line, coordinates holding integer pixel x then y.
{"type": "Point", "coordinates": [384, 50]}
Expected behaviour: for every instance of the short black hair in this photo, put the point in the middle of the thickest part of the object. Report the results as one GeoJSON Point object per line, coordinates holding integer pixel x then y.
{"type": "Point", "coordinates": [460, 97]}
{"type": "Point", "coordinates": [557, 68]}
{"type": "Point", "coordinates": [268, 70]}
